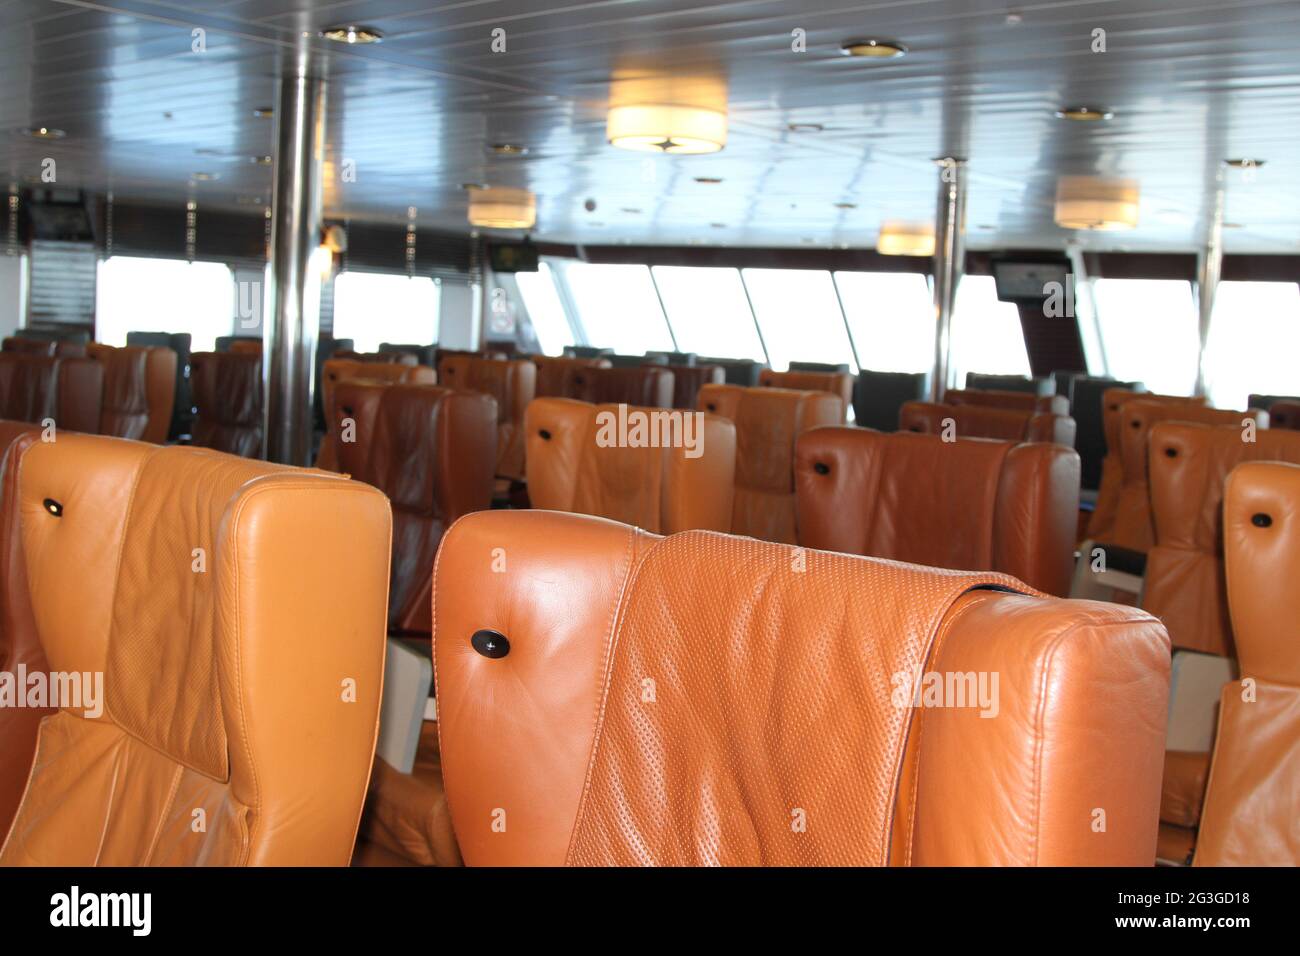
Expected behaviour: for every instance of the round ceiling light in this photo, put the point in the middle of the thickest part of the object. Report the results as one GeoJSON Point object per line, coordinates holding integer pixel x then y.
{"type": "Point", "coordinates": [1245, 163]}
{"type": "Point", "coordinates": [874, 48]}
{"type": "Point", "coordinates": [500, 207]}
{"type": "Point", "coordinates": [204, 177]}
{"type": "Point", "coordinates": [665, 128]}
{"type": "Point", "coordinates": [43, 132]}
{"type": "Point", "coordinates": [351, 33]}
{"type": "Point", "coordinates": [1089, 202]}
{"type": "Point", "coordinates": [899, 238]}
{"type": "Point", "coordinates": [508, 149]}
{"type": "Point", "coordinates": [1084, 114]}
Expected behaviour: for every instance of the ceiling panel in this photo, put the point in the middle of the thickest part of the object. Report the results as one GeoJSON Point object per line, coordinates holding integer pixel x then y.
{"type": "Point", "coordinates": [1190, 82]}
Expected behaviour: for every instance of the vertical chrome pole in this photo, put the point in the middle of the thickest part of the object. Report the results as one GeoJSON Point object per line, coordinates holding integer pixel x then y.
{"type": "Point", "coordinates": [289, 336]}
{"type": "Point", "coordinates": [949, 263]}
{"type": "Point", "coordinates": [1209, 268]}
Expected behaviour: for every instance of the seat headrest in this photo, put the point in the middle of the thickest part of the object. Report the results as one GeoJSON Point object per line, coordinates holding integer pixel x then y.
{"type": "Point", "coordinates": [837, 383]}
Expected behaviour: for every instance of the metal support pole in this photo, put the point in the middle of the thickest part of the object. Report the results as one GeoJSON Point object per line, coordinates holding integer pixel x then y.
{"type": "Point", "coordinates": [289, 337]}
{"type": "Point", "coordinates": [949, 263]}
{"type": "Point", "coordinates": [1209, 268]}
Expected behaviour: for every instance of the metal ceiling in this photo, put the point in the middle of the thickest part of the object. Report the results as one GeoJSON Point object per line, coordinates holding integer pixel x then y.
{"type": "Point", "coordinates": [1191, 82]}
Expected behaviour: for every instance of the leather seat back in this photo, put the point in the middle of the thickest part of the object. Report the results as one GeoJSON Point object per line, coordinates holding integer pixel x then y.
{"type": "Point", "coordinates": [432, 451]}
{"type": "Point", "coordinates": [182, 401]}
{"type": "Point", "coordinates": [1086, 408]}
{"type": "Point", "coordinates": [738, 371]}
{"type": "Point", "coordinates": [127, 393]}
{"type": "Point", "coordinates": [43, 347]}
{"type": "Point", "coordinates": [228, 402]}
{"type": "Point", "coordinates": [1132, 527]}
{"type": "Point", "coordinates": [29, 386]}
{"type": "Point", "coordinates": [1021, 401]}
{"type": "Point", "coordinates": [966, 504]}
{"type": "Point", "coordinates": [689, 379]}
{"type": "Point", "coordinates": [563, 377]}
{"type": "Point", "coordinates": [335, 371]}
{"type": "Point", "coordinates": [837, 383]}
{"type": "Point", "coordinates": [1284, 414]}
{"type": "Point", "coordinates": [1011, 383]}
{"type": "Point", "coordinates": [634, 716]}
{"type": "Point", "coordinates": [1251, 801]}
{"type": "Point", "coordinates": [1189, 465]}
{"type": "Point", "coordinates": [768, 422]}
{"type": "Point", "coordinates": [240, 642]}
{"type": "Point", "coordinates": [81, 394]}
{"type": "Point", "coordinates": [513, 383]}
{"type": "Point", "coordinates": [983, 421]}
{"type": "Point", "coordinates": [577, 463]}
{"type": "Point", "coordinates": [646, 386]}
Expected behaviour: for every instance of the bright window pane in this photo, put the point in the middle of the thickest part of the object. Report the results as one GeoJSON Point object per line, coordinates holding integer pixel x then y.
{"type": "Point", "coordinates": [374, 307]}
{"type": "Point", "coordinates": [709, 312]}
{"type": "Point", "coordinates": [986, 333]}
{"type": "Point", "coordinates": [891, 316]}
{"type": "Point", "coordinates": [164, 295]}
{"type": "Point", "coordinates": [800, 317]}
{"type": "Point", "coordinates": [618, 307]}
{"type": "Point", "coordinates": [1148, 327]}
{"type": "Point", "coordinates": [1254, 342]}
{"type": "Point", "coordinates": [545, 309]}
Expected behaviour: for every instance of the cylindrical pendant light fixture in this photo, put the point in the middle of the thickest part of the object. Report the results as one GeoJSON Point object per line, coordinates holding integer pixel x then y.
{"type": "Point", "coordinates": [500, 207]}
{"type": "Point", "coordinates": [1090, 202]}
{"type": "Point", "coordinates": [905, 238]}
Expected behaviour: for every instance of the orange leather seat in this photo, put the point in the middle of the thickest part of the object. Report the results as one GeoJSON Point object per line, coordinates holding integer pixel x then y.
{"type": "Point", "coordinates": [432, 451]}
{"type": "Point", "coordinates": [378, 358]}
{"type": "Point", "coordinates": [997, 398]}
{"type": "Point", "coordinates": [646, 386]}
{"type": "Point", "coordinates": [246, 346]}
{"type": "Point", "coordinates": [985, 421]}
{"type": "Point", "coordinates": [689, 379]}
{"type": "Point", "coordinates": [768, 422]}
{"type": "Point", "coordinates": [1284, 415]}
{"type": "Point", "coordinates": [1252, 801]}
{"type": "Point", "coordinates": [1132, 525]}
{"type": "Point", "coordinates": [1113, 401]}
{"type": "Point", "coordinates": [336, 371]}
{"type": "Point", "coordinates": [240, 640]}
{"type": "Point", "coordinates": [967, 504]}
{"type": "Point", "coordinates": [22, 346]}
{"type": "Point", "coordinates": [228, 401]}
{"type": "Point", "coordinates": [572, 465]}
{"type": "Point", "coordinates": [513, 383]}
{"type": "Point", "coordinates": [563, 377]}
{"type": "Point", "coordinates": [1189, 464]}
{"type": "Point", "coordinates": [29, 386]}
{"type": "Point", "coordinates": [139, 390]}
{"type": "Point", "coordinates": [702, 699]}
{"type": "Point", "coordinates": [837, 383]}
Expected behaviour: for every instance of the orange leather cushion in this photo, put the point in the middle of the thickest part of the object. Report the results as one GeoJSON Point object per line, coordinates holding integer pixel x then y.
{"type": "Point", "coordinates": [768, 421]}
{"type": "Point", "coordinates": [336, 371]}
{"type": "Point", "coordinates": [1284, 415]}
{"type": "Point", "coordinates": [688, 380]}
{"type": "Point", "coordinates": [513, 383]}
{"type": "Point", "coordinates": [224, 685]}
{"type": "Point", "coordinates": [650, 386]}
{"type": "Point", "coordinates": [432, 452]}
{"type": "Point", "coordinates": [709, 699]}
{"type": "Point", "coordinates": [406, 813]}
{"type": "Point", "coordinates": [563, 377]}
{"type": "Point", "coordinates": [28, 387]}
{"type": "Point", "coordinates": [160, 392]}
{"type": "Point", "coordinates": [966, 504]}
{"type": "Point", "coordinates": [986, 421]}
{"type": "Point", "coordinates": [228, 401]}
{"type": "Point", "coordinates": [1183, 787]}
{"type": "Point", "coordinates": [837, 383]}
{"type": "Point", "coordinates": [661, 489]}
{"type": "Point", "coordinates": [997, 398]}
{"type": "Point", "coordinates": [125, 411]}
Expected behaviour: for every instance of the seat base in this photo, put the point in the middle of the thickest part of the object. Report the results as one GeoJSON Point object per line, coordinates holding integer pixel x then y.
{"type": "Point", "coordinates": [406, 814]}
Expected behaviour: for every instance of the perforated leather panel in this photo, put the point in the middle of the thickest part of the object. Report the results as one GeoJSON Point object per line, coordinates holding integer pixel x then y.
{"type": "Point", "coordinates": [748, 716]}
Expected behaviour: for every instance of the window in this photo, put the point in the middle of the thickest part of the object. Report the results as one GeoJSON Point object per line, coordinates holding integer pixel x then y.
{"type": "Point", "coordinates": [709, 312]}
{"type": "Point", "coordinates": [545, 309]}
{"type": "Point", "coordinates": [800, 317]}
{"type": "Point", "coordinates": [1254, 342]}
{"type": "Point", "coordinates": [891, 316]}
{"type": "Point", "coordinates": [618, 307]}
{"type": "Point", "coordinates": [375, 307]}
{"type": "Point", "coordinates": [164, 295]}
{"type": "Point", "coordinates": [1149, 329]}
{"type": "Point", "coordinates": [986, 333]}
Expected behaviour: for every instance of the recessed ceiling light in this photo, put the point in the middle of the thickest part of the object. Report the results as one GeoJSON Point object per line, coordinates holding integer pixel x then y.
{"type": "Point", "coordinates": [805, 127]}
{"type": "Point", "coordinates": [873, 47]}
{"type": "Point", "coordinates": [509, 149]}
{"type": "Point", "coordinates": [204, 177]}
{"type": "Point", "coordinates": [43, 132]}
{"type": "Point", "coordinates": [351, 33]}
{"type": "Point", "coordinates": [260, 160]}
{"type": "Point", "coordinates": [1084, 114]}
{"type": "Point", "coordinates": [630, 211]}
{"type": "Point", "coordinates": [708, 180]}
{"type": "Point", "coordinates": [249, 200]}
{"type": "Point", "coordinates": [717, 225]}
{"type": "Point", "coordinates": [1245, 163]}
{"type": "Point", "coordinates": [1232, 225]}
{"type": "Point", "coordinates": [264, 112]}
{"type": "Point", "coordinates": [473, 186]}
{"type": "Point", "coordinates": [846, 205]}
